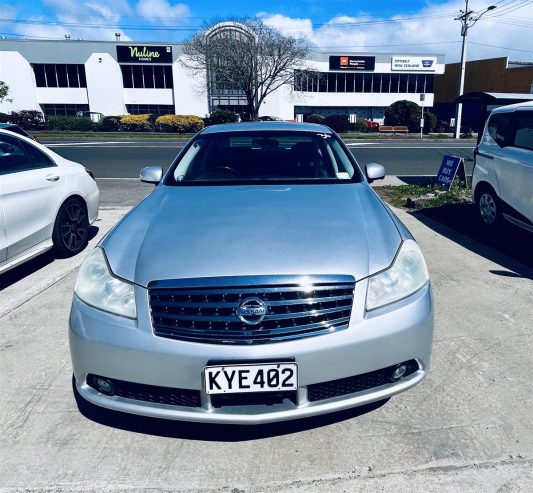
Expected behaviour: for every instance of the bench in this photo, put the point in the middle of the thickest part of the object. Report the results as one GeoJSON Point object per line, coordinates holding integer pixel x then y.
{"type": "Point", "coordinates": [387, 129]}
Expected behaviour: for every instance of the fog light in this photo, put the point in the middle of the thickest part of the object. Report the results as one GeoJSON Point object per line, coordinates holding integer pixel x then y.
{"type": "Point", "coordinates": [399, 372]}
{"type": "Point", "coordinates": [104, 385]}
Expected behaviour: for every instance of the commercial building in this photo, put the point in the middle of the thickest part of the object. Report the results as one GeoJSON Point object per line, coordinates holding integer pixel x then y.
{"type": "Point", "coordinates": [113, 78]}
{"type": "Point", "coordinates": [493, 75]}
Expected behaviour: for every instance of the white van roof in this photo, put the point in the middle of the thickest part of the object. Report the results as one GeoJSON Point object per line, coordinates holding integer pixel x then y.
{"type": "Point", "coordinates": [513, 107]}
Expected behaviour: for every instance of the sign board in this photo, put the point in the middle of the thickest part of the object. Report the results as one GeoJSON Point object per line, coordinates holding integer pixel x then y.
{"type": "Point", "coordinates": [352, 63]}
{"type": "Point", "coordinates": [450, 167]}
{"type": "Point", "coordinates": [413, 63]}
{"type": "Point", "coordinates": [144, 54]}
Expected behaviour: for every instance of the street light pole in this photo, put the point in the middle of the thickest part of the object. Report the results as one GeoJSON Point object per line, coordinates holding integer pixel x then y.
{"type": "Point", "coordinates": [467, 21]}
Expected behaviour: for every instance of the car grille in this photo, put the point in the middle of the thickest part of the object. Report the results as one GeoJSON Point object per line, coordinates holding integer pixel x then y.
{"type": "Point", "coordinates": [357, 383]}
{"type": "Point", "coordinates": [296, 308]}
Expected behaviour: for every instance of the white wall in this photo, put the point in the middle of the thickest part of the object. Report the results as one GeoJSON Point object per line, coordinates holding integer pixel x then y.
{"type": "Point", "coordinates": [17, 73]}
{"type": "Point", "coordinates": [104, 85]}
{"type": "Point", "coordinates": [190, 96]}
{"type": "Point", "coordinates": [62, 95]}
{"type": "Point", "coordinates": [148, 96]}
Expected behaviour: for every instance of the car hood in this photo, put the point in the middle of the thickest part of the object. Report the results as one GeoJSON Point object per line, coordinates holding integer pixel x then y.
{"type": "Point", "coordinates": [182, 232]}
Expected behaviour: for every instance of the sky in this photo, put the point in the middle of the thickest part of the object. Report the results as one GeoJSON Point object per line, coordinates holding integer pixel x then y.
{"type": "Point", "coordinates": [392, 26]}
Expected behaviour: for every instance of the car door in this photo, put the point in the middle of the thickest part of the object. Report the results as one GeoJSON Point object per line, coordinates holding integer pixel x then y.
{"type": "Point", "coordinates": [30, 182]}
{"type": "Point", "coordinates": [515, 172]}
{"type": "Point", "coordinates": [3, 241]}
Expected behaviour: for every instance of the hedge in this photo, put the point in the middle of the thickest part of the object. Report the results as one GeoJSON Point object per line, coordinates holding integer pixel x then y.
{"type": "Point", "coordinates": [314, 118]}
{"type": "Point", "coordinates": [72, 123]}
{"type": "Point", "coordinates": [221, 116]}
{"type": "Point", "coordinates": [339, 123]}
{"type": "Point", "coordinates": [135, 123]}
{"type": "Point", "coordinates": [27, 119]}
{"type": "Point", "coordinates": [179, 123]}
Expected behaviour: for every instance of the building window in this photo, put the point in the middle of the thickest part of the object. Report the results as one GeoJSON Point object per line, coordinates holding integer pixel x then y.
{"type": "Point", "coordinates": [150, 109]}
{"type": "Point", "coordinates": [63, 109]}
{"type": "Point", "coordinates": [362, 82]}
{"type": "Point", "coordinates": [59, 75]}
{"type": "Point", "coordinates": [147, 76]}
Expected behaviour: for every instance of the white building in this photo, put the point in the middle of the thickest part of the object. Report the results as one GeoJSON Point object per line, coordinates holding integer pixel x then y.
{"type": "Point", "coordinates": [115, 78]}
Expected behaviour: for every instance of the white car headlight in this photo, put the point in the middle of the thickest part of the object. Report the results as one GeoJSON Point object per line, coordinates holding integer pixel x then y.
{"type": "Point", "coordinates": [407, 274]}
{"type": "Point", "coordinates": [97, 287]}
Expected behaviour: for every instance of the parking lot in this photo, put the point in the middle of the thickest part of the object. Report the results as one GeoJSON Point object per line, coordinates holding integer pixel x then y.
{"type": "Point", "coordinates": [466, 428]}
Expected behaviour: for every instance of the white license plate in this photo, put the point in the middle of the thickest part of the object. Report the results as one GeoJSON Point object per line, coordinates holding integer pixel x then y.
{"type": "Point", "coordinates": [267, 377]}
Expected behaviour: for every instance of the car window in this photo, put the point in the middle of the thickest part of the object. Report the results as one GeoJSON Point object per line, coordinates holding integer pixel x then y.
{"type": "Point", "coordinates": [38, 157]}
{"type": "Point", "coordinates": [497, 129]}
{"type": "Point", "coordinates": [523, 135]}
{"type": "Point", "coordinates": [16, 129]}
{"type": "Point", "coordinates": [264, 157]}
{"type": "Point", "coordinates": [13, 157]}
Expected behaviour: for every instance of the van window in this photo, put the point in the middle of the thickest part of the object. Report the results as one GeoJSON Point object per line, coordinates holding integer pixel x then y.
{"type": "Point", "coordinates": [497, 128]}
{"type": "Point", "coordinates": [523, 136]}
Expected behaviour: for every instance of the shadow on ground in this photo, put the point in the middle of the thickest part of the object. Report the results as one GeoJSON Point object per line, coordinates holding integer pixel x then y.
{"type": "Point", "coordinates": [508, 245]}
{"type": "Point", "coordinates": [24, 270]}
{"type": "Point", "coordinates": [213, 432]}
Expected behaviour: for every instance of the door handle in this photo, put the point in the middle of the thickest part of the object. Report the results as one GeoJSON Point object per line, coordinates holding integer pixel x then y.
{"type": "Point", "coordinates": [52, 177]}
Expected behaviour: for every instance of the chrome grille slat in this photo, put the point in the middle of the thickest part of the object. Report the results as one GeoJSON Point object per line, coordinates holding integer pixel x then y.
{"type": "Point", "coordinates": [198, 314]}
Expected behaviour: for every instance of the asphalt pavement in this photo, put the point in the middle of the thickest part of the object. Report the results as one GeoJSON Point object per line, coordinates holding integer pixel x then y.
{"type": "Point", "coordinates": [466, 428]}
{"type": "Point", "coordinates": [124, 159]}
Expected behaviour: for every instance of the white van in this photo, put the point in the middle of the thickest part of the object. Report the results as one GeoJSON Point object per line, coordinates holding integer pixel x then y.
{"type": "Point", "coordinates": [502, 181]}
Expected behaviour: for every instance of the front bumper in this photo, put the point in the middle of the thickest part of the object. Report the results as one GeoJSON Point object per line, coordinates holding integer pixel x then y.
{"type": "Point", "coordinates": [113, 347]}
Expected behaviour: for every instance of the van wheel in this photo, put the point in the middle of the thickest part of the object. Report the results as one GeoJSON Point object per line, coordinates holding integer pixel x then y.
{"type": "Point", "coordinates": [489, 207]}
{"type": "Point", "coordinates": [71, 228]}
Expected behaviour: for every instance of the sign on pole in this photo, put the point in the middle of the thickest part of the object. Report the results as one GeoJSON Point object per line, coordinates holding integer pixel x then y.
{"type": "Point", "coordinates": [451, 167]}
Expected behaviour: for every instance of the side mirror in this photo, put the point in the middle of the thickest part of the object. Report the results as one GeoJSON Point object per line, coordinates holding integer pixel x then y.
{"type": "Point", "coordinates": [151, 174]}
{"type": "Point", "coordinates": [374, 172]}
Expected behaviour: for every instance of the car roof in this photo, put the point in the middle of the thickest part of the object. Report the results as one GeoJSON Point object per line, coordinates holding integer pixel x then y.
{"type": "Point", "coordinates": [7, 125]}
{"type": "Point", "coordinates": [266, 126]}
{"type": "Point", "coordinates": [513, 107]}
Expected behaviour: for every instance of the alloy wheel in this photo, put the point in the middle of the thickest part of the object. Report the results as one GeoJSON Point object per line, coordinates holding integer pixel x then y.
{"type": "Point", "coordinates": [73, 227]}
{"type": "Point", "coordinates": [488, 208]}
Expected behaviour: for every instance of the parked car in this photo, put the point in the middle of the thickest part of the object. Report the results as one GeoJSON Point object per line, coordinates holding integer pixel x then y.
{"type": "Point", "coordinates": [46, 201]}
{"type": "Point", "coordinates": [502, 181]}
{"type": "Point", "coordinates": [270, 119]}
{"type": "Point", "coordinates": [16, 129]}
{"type": "Point", "coordinates": [262, 280]}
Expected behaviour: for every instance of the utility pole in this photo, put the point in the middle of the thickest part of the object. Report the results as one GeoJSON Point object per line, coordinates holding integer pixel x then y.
{"type": "Point", "coordinates": [468, 19]}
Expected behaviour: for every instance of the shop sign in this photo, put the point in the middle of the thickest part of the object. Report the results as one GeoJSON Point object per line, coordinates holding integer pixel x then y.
{"type": "Point", "coordinates": [413, 63]}
{"type": "Point", "coordinates": [144, 54]}
{"type": "Point", "coordinates": [352, 63]}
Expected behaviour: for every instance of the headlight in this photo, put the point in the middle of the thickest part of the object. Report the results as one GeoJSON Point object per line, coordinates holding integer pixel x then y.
{"type": "Point", "coordinates": [97, 287]}
{"type": "Point", "coordinates": [407, 274]}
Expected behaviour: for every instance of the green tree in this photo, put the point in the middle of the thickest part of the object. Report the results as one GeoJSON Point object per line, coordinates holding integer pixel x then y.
{"type": "Point", "coordinates": [404, 113]}
{"type": "Point", "coordinates": [4, 92]}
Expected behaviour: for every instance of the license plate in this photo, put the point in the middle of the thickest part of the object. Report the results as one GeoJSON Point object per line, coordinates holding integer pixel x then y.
{"type": "Point", "coordinates": [267, 377]}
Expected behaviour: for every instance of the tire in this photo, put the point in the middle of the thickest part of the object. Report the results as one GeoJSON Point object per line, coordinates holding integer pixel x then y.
{"type": "Point", "coordinates": [71, 228]}
{"type": "Point", "coordinates": [489, 207]}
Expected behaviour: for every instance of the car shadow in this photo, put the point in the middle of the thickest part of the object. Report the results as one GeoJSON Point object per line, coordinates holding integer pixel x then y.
{"type": "Point", "coordinates": [507, 245]}
{"type": "Point", "coordinates": [213, 432]}
{"type": "Point", "coordinates": [35, 264]}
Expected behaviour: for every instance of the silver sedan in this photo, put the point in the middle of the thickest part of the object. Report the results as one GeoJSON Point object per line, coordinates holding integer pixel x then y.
{"type": "Point", "coordinates": [262, 280]}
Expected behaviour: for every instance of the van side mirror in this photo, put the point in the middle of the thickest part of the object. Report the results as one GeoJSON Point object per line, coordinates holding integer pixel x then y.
{"type": "Point", "coordinates": [374, 172]}
{"type": "Point", "coordinates": [151, 174]}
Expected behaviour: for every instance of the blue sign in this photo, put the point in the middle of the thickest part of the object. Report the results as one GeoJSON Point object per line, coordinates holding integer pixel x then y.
{"type": "Point", "coordinates": [448, 170]}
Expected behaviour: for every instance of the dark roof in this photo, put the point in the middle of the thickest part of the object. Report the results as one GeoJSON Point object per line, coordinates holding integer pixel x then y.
{"type": "Point", "coordinates": [267, 126]}
{"type": "Point", "coordinates": [494, 97]}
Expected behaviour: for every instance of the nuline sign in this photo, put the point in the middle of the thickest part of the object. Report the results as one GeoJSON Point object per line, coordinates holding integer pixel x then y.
{"type": "Point", "coordinates": [144, 54]}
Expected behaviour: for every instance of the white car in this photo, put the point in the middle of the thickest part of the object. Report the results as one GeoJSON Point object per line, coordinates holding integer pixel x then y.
{"type": "Point", "coordinates": [502, 181]}
{"type": "Point", "coordinates": [46, 201]}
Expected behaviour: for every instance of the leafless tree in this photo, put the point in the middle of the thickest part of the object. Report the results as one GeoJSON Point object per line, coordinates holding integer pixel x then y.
{"type": "Point", "coordinates": [245, 57]}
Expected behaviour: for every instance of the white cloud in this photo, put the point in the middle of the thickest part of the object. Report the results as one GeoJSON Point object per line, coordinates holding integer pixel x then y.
{"type": "Point", "coordinates": [163, 12]}
{"type": "Point", "coordinates": [434, 31]}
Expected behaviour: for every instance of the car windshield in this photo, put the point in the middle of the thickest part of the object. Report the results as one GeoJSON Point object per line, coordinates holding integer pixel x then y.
{"type": "Point", "coordinates": [264, 157]}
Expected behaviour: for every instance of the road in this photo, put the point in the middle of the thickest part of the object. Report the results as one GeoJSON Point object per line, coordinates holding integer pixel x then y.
{"type": "Point", "coordinates": [124, 159]}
